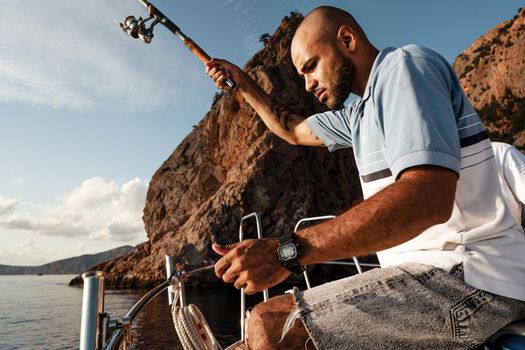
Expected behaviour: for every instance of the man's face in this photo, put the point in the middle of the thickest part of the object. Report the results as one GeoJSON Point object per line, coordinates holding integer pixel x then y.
{"type": "Point", "coordinates": [328, 73]}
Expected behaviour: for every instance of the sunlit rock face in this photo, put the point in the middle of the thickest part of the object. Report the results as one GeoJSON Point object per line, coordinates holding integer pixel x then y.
{"type": "Point", "coordinates": [492, 73]}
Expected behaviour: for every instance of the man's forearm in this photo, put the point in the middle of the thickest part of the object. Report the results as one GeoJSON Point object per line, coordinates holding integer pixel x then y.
{"type": "Point", "coordinates": [393, 216]}
{"type": "Point", "coordinates": [279, 119]}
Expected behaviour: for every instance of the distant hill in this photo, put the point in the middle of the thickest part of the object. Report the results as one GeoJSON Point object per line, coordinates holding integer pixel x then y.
{"type": "Point", "coordinates": [73, 265]}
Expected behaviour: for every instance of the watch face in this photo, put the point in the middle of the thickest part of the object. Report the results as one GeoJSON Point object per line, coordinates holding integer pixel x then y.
{"type": "Point", "coordinates": [288, 251]}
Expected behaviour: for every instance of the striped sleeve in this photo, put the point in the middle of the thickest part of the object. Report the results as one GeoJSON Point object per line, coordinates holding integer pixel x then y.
{"type": "Point", "coordinates": [333, 128]}
{"type": "Point", "coordinates": [418, 118]}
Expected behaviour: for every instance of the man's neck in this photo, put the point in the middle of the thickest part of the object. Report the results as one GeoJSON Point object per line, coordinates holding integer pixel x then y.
{"type": "Point", "coordinates": [364, 70]}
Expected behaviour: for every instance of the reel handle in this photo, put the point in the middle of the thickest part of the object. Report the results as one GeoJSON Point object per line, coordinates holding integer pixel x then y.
{"type": "Point", "coordinates": [203, 57]}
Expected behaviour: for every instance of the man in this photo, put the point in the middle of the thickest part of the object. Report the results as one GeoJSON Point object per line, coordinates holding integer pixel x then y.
{"type": "Point", "coordinates": [452, 255]}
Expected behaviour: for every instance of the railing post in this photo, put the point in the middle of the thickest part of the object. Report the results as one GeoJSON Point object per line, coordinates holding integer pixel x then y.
{"type": "Point", "coordinates": [169, 272]}
{"type": "Point", "coordinates": [92, 306]}
{"type": "Point", "coordinates": [182, 293]}
{"type": "Point", "coordinates": [258, 223]}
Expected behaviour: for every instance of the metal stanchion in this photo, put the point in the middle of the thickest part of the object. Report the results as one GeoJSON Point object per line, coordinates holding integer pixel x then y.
{"type": "Point", "coordinates": [92, 307]}
{"type": "Point", "coordinates": [258, 223]}
{"type": "Point", "coordinates": [169, 272]}
{"type": "Point", "coordinates": [182, 293]}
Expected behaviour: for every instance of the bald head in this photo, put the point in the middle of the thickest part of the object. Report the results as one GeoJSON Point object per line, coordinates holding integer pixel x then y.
{"type": "Point", "coordinates": [333, 55]}
{"type": "Point", "coordinates": [323, 23]}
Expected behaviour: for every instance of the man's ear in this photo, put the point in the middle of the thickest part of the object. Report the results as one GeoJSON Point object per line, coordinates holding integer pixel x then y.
{"type": "Point", "coordinates": [346, 36]}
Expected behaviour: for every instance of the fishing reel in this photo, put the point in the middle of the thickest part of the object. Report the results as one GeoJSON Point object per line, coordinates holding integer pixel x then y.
{"type": "Point", "coordinates": [136, 28]}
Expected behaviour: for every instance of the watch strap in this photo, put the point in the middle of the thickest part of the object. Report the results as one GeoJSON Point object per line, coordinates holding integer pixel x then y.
{"type": "Point", "coordinates": [294, 266]}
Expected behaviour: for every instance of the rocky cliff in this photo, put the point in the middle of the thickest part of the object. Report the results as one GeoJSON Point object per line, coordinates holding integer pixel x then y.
{"type": "Point", "coordinates": [230, 165]}
{"type": "Point", "coordinates": [492, 72]}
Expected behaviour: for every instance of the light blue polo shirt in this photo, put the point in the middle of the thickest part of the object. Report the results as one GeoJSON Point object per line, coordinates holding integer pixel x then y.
{"type": "Point", "coordinates": [414, 112]}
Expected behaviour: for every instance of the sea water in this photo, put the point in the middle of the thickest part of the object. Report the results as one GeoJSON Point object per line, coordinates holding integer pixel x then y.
{"type": "Point", "coordinates": [43, 312]}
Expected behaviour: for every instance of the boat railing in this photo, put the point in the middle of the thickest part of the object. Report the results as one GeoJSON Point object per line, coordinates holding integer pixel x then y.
{"type": "Point", "coordinates": [99, 331]}
{"type": "Point", "coordinates": [258, 225]}
{"type": "Point", "coordinates": [358, 265]}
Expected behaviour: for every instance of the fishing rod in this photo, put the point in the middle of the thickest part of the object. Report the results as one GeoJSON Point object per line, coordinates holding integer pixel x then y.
{"type": "Point", "coordinates": [136, 28]}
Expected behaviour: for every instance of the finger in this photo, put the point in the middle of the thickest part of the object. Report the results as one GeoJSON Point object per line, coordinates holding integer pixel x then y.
{"type": "Point", "coordinates": [211, 62]}
{"type": "Point", "coordinates": [221, 81]}
{"type": "Point", "coordinates": [225, 76]}
{"type": "Point", "coordinates": [240, 283]}
{"type": "Point", "coordinates": [223, 249]}
{"type": "Point", "coordinates": [233, 272]}
{"type": "Point", "coordinates": [222, 266]}
{"type": "Point", "coordinates": [250, 289]}
{"type": "Point", "coordinates": [213, 70]}
{"type": "Point", "coordinates": [217, 75]}
{"type": "Point", "coordinates": [208, 66]}
{"type": "Point", "coordinates": [219, 78]}
{"type": "Point", "coordinates": [230, 276]}
{"type": "Point", "coordinates": [217, 70]}
{"type": "Point", "coordinates": [215, 61]}
{"type": "Point", "coordinates": [227, 260]}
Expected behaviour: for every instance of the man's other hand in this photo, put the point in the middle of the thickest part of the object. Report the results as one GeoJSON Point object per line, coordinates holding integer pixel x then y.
{"type": "Point", "coordinates": [251, 264]}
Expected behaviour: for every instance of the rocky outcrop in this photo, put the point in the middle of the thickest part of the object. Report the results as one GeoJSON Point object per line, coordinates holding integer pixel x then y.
{"type": "Point", "coordinates": [230, 165]}
{"type": "Point", "coordinates": [492, 73]}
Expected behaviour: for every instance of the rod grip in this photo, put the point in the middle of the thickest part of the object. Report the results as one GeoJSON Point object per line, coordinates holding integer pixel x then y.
{"type": "Point", "coordinates": [204, 57]}
{"type": "Point", "coordinates": [197, 51]}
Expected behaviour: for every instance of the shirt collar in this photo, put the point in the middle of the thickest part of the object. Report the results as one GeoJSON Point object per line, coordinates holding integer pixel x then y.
{"type": "Point", "coordinates": [377, 62]}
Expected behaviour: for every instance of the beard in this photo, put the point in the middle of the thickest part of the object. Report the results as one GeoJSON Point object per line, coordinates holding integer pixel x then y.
{"type": "Point", "coordinates": [344, 83]}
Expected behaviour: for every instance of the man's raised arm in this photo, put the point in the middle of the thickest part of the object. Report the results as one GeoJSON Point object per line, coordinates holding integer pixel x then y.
{"type": "Point", "coordinates": [291, 127]}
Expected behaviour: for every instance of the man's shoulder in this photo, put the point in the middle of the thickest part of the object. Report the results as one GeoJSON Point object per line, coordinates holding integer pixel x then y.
{"type": "Point", "coordinates": [415, 50]}
{"type": "Point", "coordinates": [409, 53]}
{"type": "Point", "coordinates": [410, 59]}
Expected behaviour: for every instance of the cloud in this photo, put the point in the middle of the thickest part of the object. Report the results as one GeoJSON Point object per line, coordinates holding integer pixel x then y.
{"type": "Point", "coordinates": [30, 255]}
{"type": "Point", "coordinates": [80, 248]}
{"type": "Point", "coordinates": [16, 181]}
{"type": "Point", "coordinates": [97, 209]}
{"type": "Point", "coordinates": [89, 194]}
{"type": "Point", "coordinates": [7, 205]}
{"type": "Point", "coordinates": [73, 54]}
{"type": "Point", "coordinates": [26, 243]}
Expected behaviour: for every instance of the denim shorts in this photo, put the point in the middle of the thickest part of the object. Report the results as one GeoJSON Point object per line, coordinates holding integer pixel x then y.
{"type": "Point", "coordinates": [410, 306]}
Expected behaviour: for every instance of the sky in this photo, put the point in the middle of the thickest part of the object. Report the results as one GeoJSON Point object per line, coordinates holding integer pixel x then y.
{"type": "Point", "coordinates": [87, 115]}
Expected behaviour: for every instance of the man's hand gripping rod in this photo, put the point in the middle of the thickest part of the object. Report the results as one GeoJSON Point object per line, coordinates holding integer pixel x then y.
{"type": "Point", "coordinates": [137, 29]}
